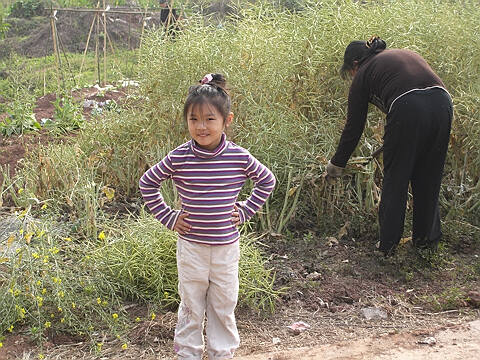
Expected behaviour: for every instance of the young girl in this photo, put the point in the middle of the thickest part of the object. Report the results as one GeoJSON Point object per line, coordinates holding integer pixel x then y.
{"type": "Point", "coordinates": [208, 172]}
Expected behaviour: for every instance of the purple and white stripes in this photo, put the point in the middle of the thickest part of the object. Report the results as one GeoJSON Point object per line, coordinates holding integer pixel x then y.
{"type": "Point", "coordinates": [208, 183]}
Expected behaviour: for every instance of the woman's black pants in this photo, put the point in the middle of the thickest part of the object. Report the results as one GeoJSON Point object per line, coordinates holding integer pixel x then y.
{"type": "Point", "coordinates": [417, 133]}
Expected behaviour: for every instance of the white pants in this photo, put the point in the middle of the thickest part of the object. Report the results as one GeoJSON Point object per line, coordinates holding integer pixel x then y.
{"type": "Point", "coordinates": [207, 282]}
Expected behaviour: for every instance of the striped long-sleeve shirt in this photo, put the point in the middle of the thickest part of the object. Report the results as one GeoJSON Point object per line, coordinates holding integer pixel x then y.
{"type": "Point", "coordinates": [208, 183]}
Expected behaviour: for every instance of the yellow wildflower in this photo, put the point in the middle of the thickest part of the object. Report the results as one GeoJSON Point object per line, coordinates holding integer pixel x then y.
{"type": "Point", "coordinates": [62, 320]}
{"type": "Point", "coordinates": [101, 236]}
{"type": "Point", "coordinates": [74, 305]}
{"type": "Point", "coordinates": [68, 239]}
{"type": "Point", "coordinates": [124, 347]}
{"type": "Point", "coordinates": [44, 291]}
{"type": "Point", "coordinates": [1, 344]}
{"type": "Point", "coordinates": [41, 356]}
{"type": "Point", "coordinates": [137, 319]}
{"type": "Point", "coordinates": [99, 301]}
{"type": "Point", "coordinates": [153, 316]}
{"type": "Point", "coordinates": [10, 328]}
{"type": "Point", "coordinates": [20, 190]}
{"type": "Point", "coordinates": [48, 324]}
{"type": "Point", "coordinates": [35, 255]}
{"type": "Point", "coordinates": [115, 316]}
{"type": "Point", "coordinates": [44, 206]}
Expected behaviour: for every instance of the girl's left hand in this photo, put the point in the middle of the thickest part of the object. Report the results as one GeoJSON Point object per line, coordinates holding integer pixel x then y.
{"type": "Point", "coordinates": [235, 216]}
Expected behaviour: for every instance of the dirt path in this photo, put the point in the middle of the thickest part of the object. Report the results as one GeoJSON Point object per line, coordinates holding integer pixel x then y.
{"type": "Point", "coordinates": [459, 342]}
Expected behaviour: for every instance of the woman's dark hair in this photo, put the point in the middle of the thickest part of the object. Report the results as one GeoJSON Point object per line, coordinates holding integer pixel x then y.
{"type": "Point", "coordinates": [212, 89]}
{"type": "Point", "coordinates": [360, 50]}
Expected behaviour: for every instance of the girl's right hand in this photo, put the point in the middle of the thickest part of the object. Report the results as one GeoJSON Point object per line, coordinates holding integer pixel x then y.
{"type": "Point", "coordinates": [181, 226]}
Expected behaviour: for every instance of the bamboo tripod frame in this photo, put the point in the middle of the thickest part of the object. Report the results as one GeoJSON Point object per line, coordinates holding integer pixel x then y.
{"type": "Point", "coordinates": [100, 16]}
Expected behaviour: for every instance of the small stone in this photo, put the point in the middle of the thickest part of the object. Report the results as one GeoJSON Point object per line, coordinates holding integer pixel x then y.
{"type": "Point", "coordinates": [314, 276]}
{"type": "Point", "coordinates": [428, 341]}
{"type": "Point", "coordinates": [373, 313]}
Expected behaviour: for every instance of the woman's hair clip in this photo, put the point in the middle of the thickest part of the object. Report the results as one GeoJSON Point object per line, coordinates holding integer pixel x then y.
{"type": "Point", "coordinates": [206, 79]}
{"type": "Point", "coordinates": [371, 41]}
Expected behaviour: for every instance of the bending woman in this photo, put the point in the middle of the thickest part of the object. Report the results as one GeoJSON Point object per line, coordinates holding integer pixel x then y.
{"type": "Point", "coordinates": [419, 113]}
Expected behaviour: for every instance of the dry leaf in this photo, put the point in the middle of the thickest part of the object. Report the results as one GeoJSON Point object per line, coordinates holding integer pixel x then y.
{"type": "Point", "coordinates": [343, 230]}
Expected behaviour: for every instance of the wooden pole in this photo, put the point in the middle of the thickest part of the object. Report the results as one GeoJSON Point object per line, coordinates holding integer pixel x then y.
{"type": "Point", "coordinates": [97, 58]}
{"type": "Point", "coordinates": [86, 45]}
{"type": "Point", "coordinates": [55, 50]}
{"type": "Point", "coordinates": [104, 44]}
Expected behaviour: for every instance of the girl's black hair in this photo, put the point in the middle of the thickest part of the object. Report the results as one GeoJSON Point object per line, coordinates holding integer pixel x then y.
{"type": "Point", "coordinates": [212, 90]}
{"type": "Point", "coordinates": [360, 50]}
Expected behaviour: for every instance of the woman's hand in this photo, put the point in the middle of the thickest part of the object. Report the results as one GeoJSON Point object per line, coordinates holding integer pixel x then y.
{"type": "Point", "coordinates": [181, 226]}
{"type": "Point", "coordinates": [235, 216]}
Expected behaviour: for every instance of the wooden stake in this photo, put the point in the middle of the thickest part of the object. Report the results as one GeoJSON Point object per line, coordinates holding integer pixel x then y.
{"type": "Point", "coordinates": [55, 50]}
{"type": "Point", "coordinates": [88, 41]}
{"type": "Point", "coordinates": [97, 58]}
{"type": "Point", "coordinates": [104, 45]}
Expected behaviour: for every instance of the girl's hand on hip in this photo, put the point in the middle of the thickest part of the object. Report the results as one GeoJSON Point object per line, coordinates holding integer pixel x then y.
{"type": "Point", "coordinates": [235, 216]}
{"type": "Point", "coordinates": [181, 226]}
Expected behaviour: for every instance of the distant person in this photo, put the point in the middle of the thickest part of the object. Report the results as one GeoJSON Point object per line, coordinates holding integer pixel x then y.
{"type": "Point", "coordinates": [168, 18]}
{"type": "Point", "coordinates": [208, 171]}
{"type": "Point", "coordinates": [417, 131]}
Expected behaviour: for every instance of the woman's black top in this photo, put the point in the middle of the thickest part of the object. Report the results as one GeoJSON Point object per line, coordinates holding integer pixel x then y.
{"type": "Point", "coordinates": [380, 80]}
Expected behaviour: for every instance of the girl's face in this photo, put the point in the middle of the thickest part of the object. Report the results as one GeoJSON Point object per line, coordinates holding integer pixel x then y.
{"type": "Point", "coordinates": [206, 125]}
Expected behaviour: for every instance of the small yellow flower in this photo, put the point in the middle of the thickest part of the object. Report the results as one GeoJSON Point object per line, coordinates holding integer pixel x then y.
{"type": "Point", "coordinates": [44, 206]}
{"type": "Point", "coordinates": [61, 294]}
{"type": "Point", "coordinates": [48, 324]}
{"type": "Point", "coordinates": [10, 328]}
{"type": "Point", "coordinates": [41, 356]}
{"type": "Point", "coordinates": [74, 305]}
{"type": "Point", "coordinates": [153, 316]}
{"type": "Point", "coordinates": [39, 282]}
{"type": "Point", "coordinates": [1, 344]}
{"type": "Point", "coordinates": [54, 250]}
{"type": "Point", "coordinates": [62, 320]}
{"type": "Point", "coordinates": [22, 313]}
{"type": "Point", "coordinates": [99, 346]}
{"type": "Point", "coordinates": [20, 190]}
{"type": "Point", "coordinates": [28, 237]}
{"type": "Point", "coordinates": [36, 256]}
{"type": "Point", "coordinates": [115, 316]}
{"type": "Point", "coordinates": [137, 319]}
{"type": "Point", "coordinates": [68, 239]}
{"type": "Point", "coordinates": [52, 315]}
{"type": "Point", "coordinates": [104, 303]}
{"type": "Point", "coordinates": [45, 259]}
{"type": "Point", "coordinates": [99, 301]}
{"type": "Point", "coordinates": [44, 291]}
{"type": "Point", "coordinates": [124, 347]}
{"type": "Point", "coordinates": [59, 309]}
{"type": "Point", "coordinates": [101, 236]}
